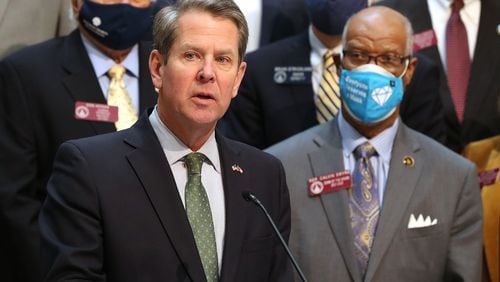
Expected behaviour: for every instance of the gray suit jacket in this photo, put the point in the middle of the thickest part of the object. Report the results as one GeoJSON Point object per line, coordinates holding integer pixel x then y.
{"type": "Point", "coordinates": [25, 22]}
{"type": "Point", "coordinates": [441, 184]}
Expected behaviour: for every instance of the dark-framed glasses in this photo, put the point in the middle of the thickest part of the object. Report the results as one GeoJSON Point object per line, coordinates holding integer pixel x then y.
{"type": "Point", "coordinates": [388, 61]}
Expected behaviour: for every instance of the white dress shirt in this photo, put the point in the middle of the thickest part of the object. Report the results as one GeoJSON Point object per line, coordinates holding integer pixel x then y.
{"type": "Point", "coordinates": [211, 176]}
{"type": "Point", "coordinates": [440, 11]}
{"type": "Point", "coordinates": [102, 63]}
{"type": "Point", "coordinates": [253, 13]}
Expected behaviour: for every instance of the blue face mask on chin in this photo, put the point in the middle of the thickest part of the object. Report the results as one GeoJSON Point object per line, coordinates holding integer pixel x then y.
{"type": "Point", "coordinates": [370, 93]}
{"type": "Point", "coordinates": [116, 26]}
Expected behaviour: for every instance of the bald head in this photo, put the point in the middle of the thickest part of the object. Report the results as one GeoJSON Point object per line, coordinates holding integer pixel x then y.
{"type": "Point", "coordinates": [382, 22]}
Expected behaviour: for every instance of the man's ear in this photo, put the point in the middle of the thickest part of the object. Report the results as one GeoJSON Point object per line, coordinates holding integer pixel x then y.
{"type": "Point", "coordinates": [239, 77]}
{"type": "Point", "coordinates": [76, 5]}
{"type": "Point", "coordinates": [156, 68]}
{"type": "Point", "coordinates": [409, 71]}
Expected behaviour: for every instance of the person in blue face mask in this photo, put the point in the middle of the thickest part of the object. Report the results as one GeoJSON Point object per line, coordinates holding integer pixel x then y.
{"type": "Point", "coordinates": [43, 88]}
{"type": "Point", "coordinates": [283, 91]}
{"type": "Point", "coordinates": [372, 199]}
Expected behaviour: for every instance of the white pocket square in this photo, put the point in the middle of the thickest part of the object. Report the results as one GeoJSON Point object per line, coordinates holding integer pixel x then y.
{"type": "Point", "coordinates": [421, 222]}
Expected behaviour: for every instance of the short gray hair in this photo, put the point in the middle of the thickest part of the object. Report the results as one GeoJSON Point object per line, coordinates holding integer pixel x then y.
{"type": "Point", "coordinates": [408, 31]}
{"type": "Point", "coordinates": [167, 19]}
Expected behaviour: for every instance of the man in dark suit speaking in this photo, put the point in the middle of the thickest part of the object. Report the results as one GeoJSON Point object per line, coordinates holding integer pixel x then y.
{"type": "Point", "coordinates": [46, 92]}
{"type": "Point", "coordinates": [163, 199]}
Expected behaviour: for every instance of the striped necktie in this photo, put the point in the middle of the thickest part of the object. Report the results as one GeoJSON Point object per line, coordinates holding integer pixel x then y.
{"type": "Point", "coordinates": [328, 96]}
{"type": "Point", "coordinates": [363, 204]}
{"type": "Point", "coordinates": [200, 216]}
{"type": "Point", "coordinates": [118, 97]}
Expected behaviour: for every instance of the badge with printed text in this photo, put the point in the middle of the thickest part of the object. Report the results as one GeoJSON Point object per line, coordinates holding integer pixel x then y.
{"type": "Point", "coordinates": [329, 182]}
{"type": "Point", "coordinates": [424, 39]}
{"type": "Point", "coordinates": [292, 75]}
{"type": "Point", "coordinates": [96, 112]}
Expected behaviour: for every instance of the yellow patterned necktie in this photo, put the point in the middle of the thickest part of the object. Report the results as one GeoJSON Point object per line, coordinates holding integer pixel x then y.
{"type": "Point", "coordinates": [118, 97]}
{"type": "Point", "coordinates": [200, 216]}
{"type": "Point", "coordinates": [364, 204]}
{"type": "Point", "coordinates": [328, 97]}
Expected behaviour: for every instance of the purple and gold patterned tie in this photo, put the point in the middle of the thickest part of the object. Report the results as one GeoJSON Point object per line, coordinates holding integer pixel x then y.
{"type": "Point", "coordinates": [363, 204]}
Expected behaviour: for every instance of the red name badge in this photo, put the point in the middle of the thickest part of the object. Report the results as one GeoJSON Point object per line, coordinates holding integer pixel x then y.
{"type": "Point", "coordinates": [488, 177]}
{"type": "Point", "coordinates": [328, 183]}
{"type": "Point", "coordinates": [424, 40]}
{"type": "Point", "coordinates": [96, 112]}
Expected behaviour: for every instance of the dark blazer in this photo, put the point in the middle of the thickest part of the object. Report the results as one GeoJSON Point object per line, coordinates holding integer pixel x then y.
{"type": "Point", "coordinates": [113, 213]}
{"type": "Point", "coordinates": [482, 108]}
{"type": "Point", "coordinates": [282, 19]}
{"type": "Point", "coordinates": [439, 184]}
{"type": "Point", "coordinates": [40, 85]}
{"type": "Point", "coordinates": [265, 112]}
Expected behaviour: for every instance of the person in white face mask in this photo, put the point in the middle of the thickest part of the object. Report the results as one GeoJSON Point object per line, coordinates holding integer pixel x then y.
{"type": "Point", "coordinates": [372, 199]}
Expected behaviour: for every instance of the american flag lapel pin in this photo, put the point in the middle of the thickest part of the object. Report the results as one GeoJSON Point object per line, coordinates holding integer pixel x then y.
{"type": "Point", "coordinates": [237, 168]}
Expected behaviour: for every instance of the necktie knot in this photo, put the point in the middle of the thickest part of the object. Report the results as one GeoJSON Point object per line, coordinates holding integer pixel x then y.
{"type": "Point", "coordinates": [457, 5]}
{"type": "Point", "coordinates": [365, 150]}
{"type": "Point", "coordinates": [116, 71]}
{"type": "Point", "coordinates": [193, 162]}
{"type": "Point", "coordinates": [328, 59]}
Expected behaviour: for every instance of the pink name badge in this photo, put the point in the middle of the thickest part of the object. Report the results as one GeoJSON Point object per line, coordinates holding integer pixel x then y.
{"type": "Point", "coordinates": [488, 177]}
{"type": "Point", "coordinates": [328, 183]}
{"type": "Point", "coordinates": [96, 112]}
{"type": "Point", "coordinates": [424, 40]}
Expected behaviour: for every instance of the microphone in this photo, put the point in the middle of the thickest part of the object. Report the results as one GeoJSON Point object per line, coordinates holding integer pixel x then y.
{"type": "Point", "coordinates": [250, 197]}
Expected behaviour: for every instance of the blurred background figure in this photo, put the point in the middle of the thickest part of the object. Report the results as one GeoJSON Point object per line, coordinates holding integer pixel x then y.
{"type": "Point", "coordinates": [486, 155]}
{"type": "Point", "coordinates": [93, 81]}
{"type": "Point", "coordinates": [272, 20]}
{"type": "Point", "coordinates": [463, 38]}
{"type": "Point", "coordinates": [25, 22]}
{"type": "Point", "coordinates": [283, 90]}
{"type": "Point", "coordinates": [268, 20]}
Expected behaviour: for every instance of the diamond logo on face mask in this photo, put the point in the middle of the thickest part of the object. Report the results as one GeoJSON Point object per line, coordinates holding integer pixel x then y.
{"type": "Point", "coordinates": [381, 95]}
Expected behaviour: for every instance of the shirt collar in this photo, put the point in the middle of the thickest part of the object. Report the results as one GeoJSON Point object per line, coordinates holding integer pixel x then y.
{"type": "Point", "coordinates": [175, 150]}
{"type": "Point", "coordinates": [317, 47]}
{"type": "Point", "coordinates": [447, 3]}
{"type": "Point", "coordinates": [351, 138]}
{"type": "Point", "coordinates": [102, 63]}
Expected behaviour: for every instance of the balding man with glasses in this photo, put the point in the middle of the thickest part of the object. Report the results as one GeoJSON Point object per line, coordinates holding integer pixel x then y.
{"type": "Point", "coordinates": [372, 199]}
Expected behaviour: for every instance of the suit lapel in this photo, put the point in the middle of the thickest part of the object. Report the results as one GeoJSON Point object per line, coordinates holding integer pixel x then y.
{"type": "Point", "coordinates": [302, 95]}
{"type": "Point", "coordinates": [147, 93]}
{"type": "Point", "coordinates": [234, 184]}
{"type": "Point", "coordinates": [81, 81]}
{"type": "Point", "coordinates": [401, 183]}
{"type": "Point", "coordinates": [327, 159]}
{"type": "Point", "coordinates": [420, 18]}
{"type": "Point", "coordinates": [151, 167]}
{"type": "Point", "coordinates": [486, 59]}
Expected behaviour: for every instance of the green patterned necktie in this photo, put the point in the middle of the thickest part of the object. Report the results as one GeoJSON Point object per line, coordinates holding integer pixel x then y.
{"type": "Point", "coordinates": [200, 216]}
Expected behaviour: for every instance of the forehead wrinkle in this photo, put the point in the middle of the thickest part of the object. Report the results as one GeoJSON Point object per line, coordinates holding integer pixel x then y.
{"type": "Point", "coordinates": [375, 32]}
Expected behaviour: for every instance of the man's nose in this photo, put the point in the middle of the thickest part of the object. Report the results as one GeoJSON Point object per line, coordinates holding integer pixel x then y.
{"type": "Point", "coordinates": [206, 73]}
